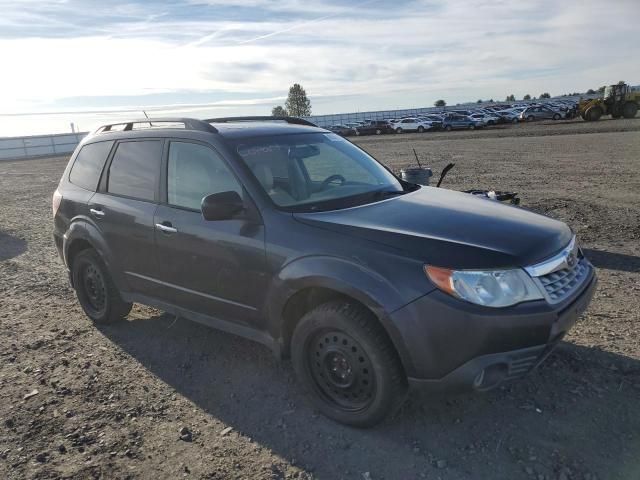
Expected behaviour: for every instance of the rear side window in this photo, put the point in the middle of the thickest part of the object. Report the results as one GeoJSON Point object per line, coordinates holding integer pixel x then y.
{"type": "Point", "coordinates": [135, 169]}
{"type": "Point", "coordinates": [88, 165]}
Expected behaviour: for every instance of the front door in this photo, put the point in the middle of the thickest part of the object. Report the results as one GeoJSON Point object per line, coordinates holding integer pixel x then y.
{"type": "Point", "coordinates": [216, 268]}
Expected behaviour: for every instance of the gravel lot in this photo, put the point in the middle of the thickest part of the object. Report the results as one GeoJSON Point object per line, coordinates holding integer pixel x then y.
{"type": "Point", "coordinates": [78, 401]}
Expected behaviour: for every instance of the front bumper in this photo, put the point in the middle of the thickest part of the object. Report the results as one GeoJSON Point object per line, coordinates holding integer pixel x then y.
{"type": "Point", "coordinates": [451, 345]}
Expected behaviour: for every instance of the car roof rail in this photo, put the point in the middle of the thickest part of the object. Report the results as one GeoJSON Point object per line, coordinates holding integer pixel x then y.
{"type": "Point", "coordinates": [187, 123]}
{"type": "Point", "coordinates": [258, 118]}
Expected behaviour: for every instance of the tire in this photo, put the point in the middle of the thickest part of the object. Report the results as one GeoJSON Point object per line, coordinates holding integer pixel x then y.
{"type": "Point", "coordinates": [398, 130]}
{"type": "Point", "coordinates": [358, 133]}
{"type": "Point", "coordinates": [472, 127]}
{"type": "Point", "coordinates": [629, 110]}
{"type": "Point", "coordinates": [378, 131]}
{"type": "Point", "coordinates": [345, 360]}
{"type": "Point", "coordinates": [556, 117]}
{"type": "Point", "coordinates": [594, 114]}
{"type": "Point", "coordinates": [515, 120]}
{"type": "Point", "coordinates": [491, 122]}
{"type": "Point", "coordinates": [96, 292]}
{"type": "Point", "coordinates": [448, 128]}
{"type": "Point", "coordinates": [530, 118]}
{"type": "Point", "coordinates": [420, 129]}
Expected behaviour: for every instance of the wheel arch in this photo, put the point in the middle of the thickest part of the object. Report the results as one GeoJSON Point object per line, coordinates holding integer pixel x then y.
{"type": "Point", "coordinates": [296, 296]}
{"type": "Point", "coordinates": [83, 235]}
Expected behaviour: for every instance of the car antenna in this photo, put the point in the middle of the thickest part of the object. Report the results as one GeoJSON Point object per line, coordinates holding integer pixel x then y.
{"type": "Point", "coordinates": [417, 159]}
{"type": "Point", "coordinates": [445, 170]}
{"type": "Point", "coordinates": [145, 114]}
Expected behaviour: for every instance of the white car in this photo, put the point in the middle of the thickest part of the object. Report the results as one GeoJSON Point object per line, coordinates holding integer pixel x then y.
{"type": "Point", "coordinates": [485, 118]}
{"type": "Point", "coordinates": [412, 125]}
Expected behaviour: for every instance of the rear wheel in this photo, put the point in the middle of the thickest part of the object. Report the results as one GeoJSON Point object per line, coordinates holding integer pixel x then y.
{"type": "Point", "coordinates": [629, 110]}
{"type": "Point", "coordinates": [515, 120]}
{"type": "Point", "coordinates": [420, 129]}
{"type": "Point", "coordinates": [378, 131]}
{"type": "Point", "coordinates": [530, 118]}
{"type": "Point", "coordinates": [96, 292]}
{"type": "Point", "coordinates": [472, 127]}
{"type": "Point", "coordinates": [398, 130]}
{"type": "Point", "coordinates": [448, 128]}
{"type": "Point", "coordinates": [556, 116]}
{"type": "Point", "coordinates": [343, 357]}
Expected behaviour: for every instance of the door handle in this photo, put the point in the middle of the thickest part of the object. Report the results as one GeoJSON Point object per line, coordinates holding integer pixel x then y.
{"type": "Point", "coordinates": [96, 212]}
{"type": "Point", "coordinates": [166, 228]}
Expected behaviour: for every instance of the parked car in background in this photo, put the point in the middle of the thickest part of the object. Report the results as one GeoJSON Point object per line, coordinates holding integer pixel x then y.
{"type": "Point", "coordinates": [540, 112]}
{"type": "Point", "coordinates": [511, 115]}
{"type": "Point", "coordinates": [412, 125]}
{"type": "Point", "coordinates": [483, 117]}
{"type": "Point", "coordinates": [342, 130]}
{"type": "Point", "coordinates": [374, 127]}
{"type": "Point", "coordinates": [455, 121]}
{"type": "Point", "coordinates": [435, 120]}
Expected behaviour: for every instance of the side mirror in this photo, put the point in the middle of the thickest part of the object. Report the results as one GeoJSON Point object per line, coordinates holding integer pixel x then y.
{"type": "Point", "coordinates": [221, 206]}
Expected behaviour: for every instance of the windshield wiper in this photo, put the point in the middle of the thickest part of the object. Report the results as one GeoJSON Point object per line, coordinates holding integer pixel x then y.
{"type": "Point", "coordinates": [380, 194]}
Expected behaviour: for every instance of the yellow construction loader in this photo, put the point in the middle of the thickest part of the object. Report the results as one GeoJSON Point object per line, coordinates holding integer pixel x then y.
{"type": "Point", "coordinates": [618, 101]}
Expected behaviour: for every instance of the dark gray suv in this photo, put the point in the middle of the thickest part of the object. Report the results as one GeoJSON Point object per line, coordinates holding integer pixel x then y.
{"type": "Point", "coordinates": [290, 235]}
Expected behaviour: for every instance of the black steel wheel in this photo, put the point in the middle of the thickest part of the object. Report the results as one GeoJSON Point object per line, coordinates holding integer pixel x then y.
{"type": "Point", "coordinates": [345, 360]}
{"type": "Point", "coordinates": [340, 369]}
{"type": "Point", "coordinates": [96, 292]}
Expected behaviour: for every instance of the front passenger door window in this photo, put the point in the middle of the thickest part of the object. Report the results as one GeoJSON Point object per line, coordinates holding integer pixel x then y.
{"type": "Point", "coordinates": [195, 171]}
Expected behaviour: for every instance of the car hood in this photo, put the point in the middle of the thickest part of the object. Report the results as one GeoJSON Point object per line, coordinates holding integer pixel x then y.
{"type": "Point", "coordinates": [450, 229]}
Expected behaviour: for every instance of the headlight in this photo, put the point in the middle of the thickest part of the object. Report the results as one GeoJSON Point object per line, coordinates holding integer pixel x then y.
{"type": "Point", "coordinates": [492, 288]}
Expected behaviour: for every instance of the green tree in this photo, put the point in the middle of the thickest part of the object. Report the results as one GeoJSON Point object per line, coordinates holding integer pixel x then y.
{"type": "Point", "coordinates": [601, 89]}
{"type": "Point", "coordinates": [510, 98]}
{"type": "Point", "coordinates": [545, 95]}
{"type": "Point", "coordinates": [491, 100]}
{"type": "Point", "coordinates": [297, 104]}
{"type": "Point", "coordinates": [591, 91]}
{"type": "Point", "coordinates": [279, 111]}
{"type": "Point", "coordinates": [440, 103]}
{"type": "Point", "coordinates": [479, 100]}
{"type": "Point", "coordinates": [527, 97]}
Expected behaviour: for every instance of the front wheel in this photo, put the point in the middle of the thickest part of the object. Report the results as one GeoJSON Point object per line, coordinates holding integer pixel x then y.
{"type": "Point", "coordinates": [530, 118]}
{"type": "Point", "coordinates": [378, 132]}
{"type": "Point", "coordinates": [96, 292]}
{"type": "Point", "coordinates": [448, 128]}
{"type": "Point", "coordinates": [556, 117]}
{"type": "Point", "coordinates": [515, 120]}
{"type": "Point", "coordinates": [345, 360]}
{"type": "Point", "coordinates": [420, 129]}
{"type": "Point", "coordinates": [398, 130]}
{"type": "Point", "coordinates": [472, 127]}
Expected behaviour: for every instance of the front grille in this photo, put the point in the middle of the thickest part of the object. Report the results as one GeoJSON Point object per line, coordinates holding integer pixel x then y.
{"type": "Point", "coordinates": [560, 284]}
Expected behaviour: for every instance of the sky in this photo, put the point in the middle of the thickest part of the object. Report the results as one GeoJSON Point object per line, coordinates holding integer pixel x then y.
{"type": "Point", "coordinates": [92, 62]}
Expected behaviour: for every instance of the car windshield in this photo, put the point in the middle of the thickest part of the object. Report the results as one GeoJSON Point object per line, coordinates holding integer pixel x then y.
{"type": "Point", "coordinates": [316, 171]}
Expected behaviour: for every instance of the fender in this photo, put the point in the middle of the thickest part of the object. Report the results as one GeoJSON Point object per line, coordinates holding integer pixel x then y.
{"type": "Point", "coordinates": [82, 228]}
{"type": "Point", "coordinates": [343, 276]}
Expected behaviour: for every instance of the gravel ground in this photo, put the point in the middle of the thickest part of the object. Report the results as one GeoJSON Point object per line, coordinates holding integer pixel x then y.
{"type": "Point", "coordinates": [159, 397]}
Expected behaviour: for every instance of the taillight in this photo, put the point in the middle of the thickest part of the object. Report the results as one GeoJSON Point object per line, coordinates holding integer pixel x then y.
{"type": "Point", "coordinates": [56, 201]}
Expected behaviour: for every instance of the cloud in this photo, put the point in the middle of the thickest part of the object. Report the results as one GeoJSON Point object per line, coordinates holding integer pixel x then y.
{"type": "Point", "coordinates": [358, 55]}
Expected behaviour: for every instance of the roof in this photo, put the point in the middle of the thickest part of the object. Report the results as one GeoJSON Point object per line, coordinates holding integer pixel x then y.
{"type": "Point", "coordinates": [231, 127]}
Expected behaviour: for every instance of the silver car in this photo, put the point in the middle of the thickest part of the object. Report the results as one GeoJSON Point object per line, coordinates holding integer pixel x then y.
{"type": "Point", "coordinates": [540, 112]}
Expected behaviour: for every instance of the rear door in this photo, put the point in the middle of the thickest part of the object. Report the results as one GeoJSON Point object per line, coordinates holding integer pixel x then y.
{"type": "Point", "coordinates": [217, 268]}
{"type": "Point", "coordinates": [123, 210]}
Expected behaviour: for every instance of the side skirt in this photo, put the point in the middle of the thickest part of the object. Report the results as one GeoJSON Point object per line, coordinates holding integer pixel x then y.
{"type": "Point", "coordinates": [209, 321]}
